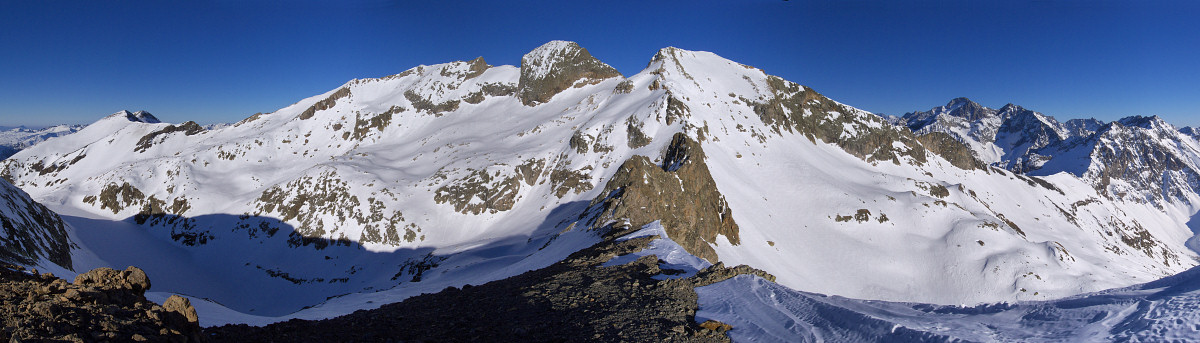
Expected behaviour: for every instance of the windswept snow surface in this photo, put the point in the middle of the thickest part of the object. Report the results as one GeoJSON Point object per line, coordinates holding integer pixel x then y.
{"type": "Point", "coordinates": [1166, 310]}
{"type": "Point", "coordinates": [762, 311]}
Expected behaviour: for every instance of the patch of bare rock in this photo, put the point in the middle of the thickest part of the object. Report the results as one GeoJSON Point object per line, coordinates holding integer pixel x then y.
{"type": "Point", "coordinates": [102, 305]}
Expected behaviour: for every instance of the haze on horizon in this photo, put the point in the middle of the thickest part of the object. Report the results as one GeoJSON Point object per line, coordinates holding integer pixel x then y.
{"type": "Point", "coordinates": [76, 61]}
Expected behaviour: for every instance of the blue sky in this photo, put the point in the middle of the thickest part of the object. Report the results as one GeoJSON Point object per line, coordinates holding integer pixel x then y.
{"type": "Point", "coordinates": [221, 61]}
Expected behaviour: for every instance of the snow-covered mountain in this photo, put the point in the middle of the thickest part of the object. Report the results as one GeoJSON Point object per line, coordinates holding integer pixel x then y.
{"type": "Point", "coordinates": [1135, 158]}
{"type": "Point", "coordinates": [1141, 159]}
{"type": "Point", "coordinates": [463, 172]}
{"type": "Point", "coordinates": [14, 139]}
{"type": "Point", "coordinates": [1006, 138]}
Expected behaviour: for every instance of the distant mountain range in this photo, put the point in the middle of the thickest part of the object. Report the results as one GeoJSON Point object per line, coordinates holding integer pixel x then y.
{"type": "Point", "coordinates": [14, 139]}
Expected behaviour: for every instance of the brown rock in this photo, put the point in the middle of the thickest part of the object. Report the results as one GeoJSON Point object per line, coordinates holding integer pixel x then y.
{"type": "Point", "coordinates": [96, 277]}
{"type": "Point", "coordinates": [136, 279]}
{"type": "Point", "coordinates": [182, 306]}
{"type": "Point", "coordinates": [72, 295]}
{"type": "Point", "coordinates": [716, 326]}
{"type": "Point", "coordinates": [132, 278]}
{"type": "Point", "coordinates": [681, 194]}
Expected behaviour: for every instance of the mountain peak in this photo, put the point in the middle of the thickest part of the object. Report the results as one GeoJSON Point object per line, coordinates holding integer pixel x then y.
{"type": "Point", "coordinates": [556, 66]}
{"type": "Point", "coordinates": [1150, 122]}
{"type": "Point", "coordinates": [137, 117]}
{"type": "Point", "coordinates": [1010, 107]}
{"type": "Point", "coordinates": [959, 101]}
{"type": "Point", "coordinates": [965, 108]}
{"type": "Point", "coordinates": [669, 52]}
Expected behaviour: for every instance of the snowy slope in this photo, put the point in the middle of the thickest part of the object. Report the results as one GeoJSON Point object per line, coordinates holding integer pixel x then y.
{"type": "Point", "coordinates": [463, 172]}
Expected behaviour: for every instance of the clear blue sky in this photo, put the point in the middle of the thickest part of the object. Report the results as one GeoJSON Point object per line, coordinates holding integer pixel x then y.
{"type": "Point", "coordinates": [221, 61]}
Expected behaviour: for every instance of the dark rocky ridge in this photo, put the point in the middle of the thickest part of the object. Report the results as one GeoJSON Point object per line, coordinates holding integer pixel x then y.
{"type": "Point", "coordinates": [139, 116]}
{"type": "Point", "coordinates": [681, 194]}
{"type": "Point", "coordinates": [102, 305]}
{"type": "Point", "coordinates": [189, 128]}
{"type": "Point", "coordinates": [573, 300]}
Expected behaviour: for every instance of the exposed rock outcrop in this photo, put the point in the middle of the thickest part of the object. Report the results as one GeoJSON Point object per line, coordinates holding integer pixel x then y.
{"type": "Point", "coordinates": [944, 145]}
{"type": "Point", "coordinates": [799, 109]}
{"type": "Point", "coordinates": [189, 129]}
{"type": "Point", "coordinates": [325, 104]}
{"type": "Point", "coordinates": [101, 305]}
{"type": "Point", "coordinates": [681, 193]}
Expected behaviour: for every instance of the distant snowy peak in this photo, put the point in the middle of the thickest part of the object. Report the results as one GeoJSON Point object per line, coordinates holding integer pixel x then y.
{"type": "Point", "coordinates": [964, 120]}
{"type": "Point", "coordinates": [1136, 158]}
{"type": "Point", "coordinates": [1009, 137]}
{"type": "Point", "coordinates": [967, 109]}
{"type": "Point", "coordinates": [955, 112]}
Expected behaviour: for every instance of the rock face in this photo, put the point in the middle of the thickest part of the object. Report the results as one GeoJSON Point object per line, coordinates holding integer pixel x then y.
{"type": "Point", "coordinates": [101, 305]}
{"type": "Point", "coordinates": [556, 66]}
{"type": "Point", "coordinates": [1023, 133]}
{"type": "Point", "coordinates": [574, 300]}
{"type": "Point", "coordinates": [681, 193]}
{"type": "Point", "coordinates": [791, 107]}
{"type": "Point", "coordinates": [947, 147]}
{"type": "Point", "coordinates": [29, 231]}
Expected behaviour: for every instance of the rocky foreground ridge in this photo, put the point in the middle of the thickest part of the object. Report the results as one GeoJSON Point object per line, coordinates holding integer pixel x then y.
{"type": "Point", "coordinates": [572, 300]}
{"type": "Point", "coordinates": [576, 299]}
{"type": "Point", "coordinates": [102, 305]}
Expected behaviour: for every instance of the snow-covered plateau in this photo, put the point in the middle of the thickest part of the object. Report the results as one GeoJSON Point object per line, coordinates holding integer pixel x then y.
{"type": "Point", "coordinates": [962, 222]}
